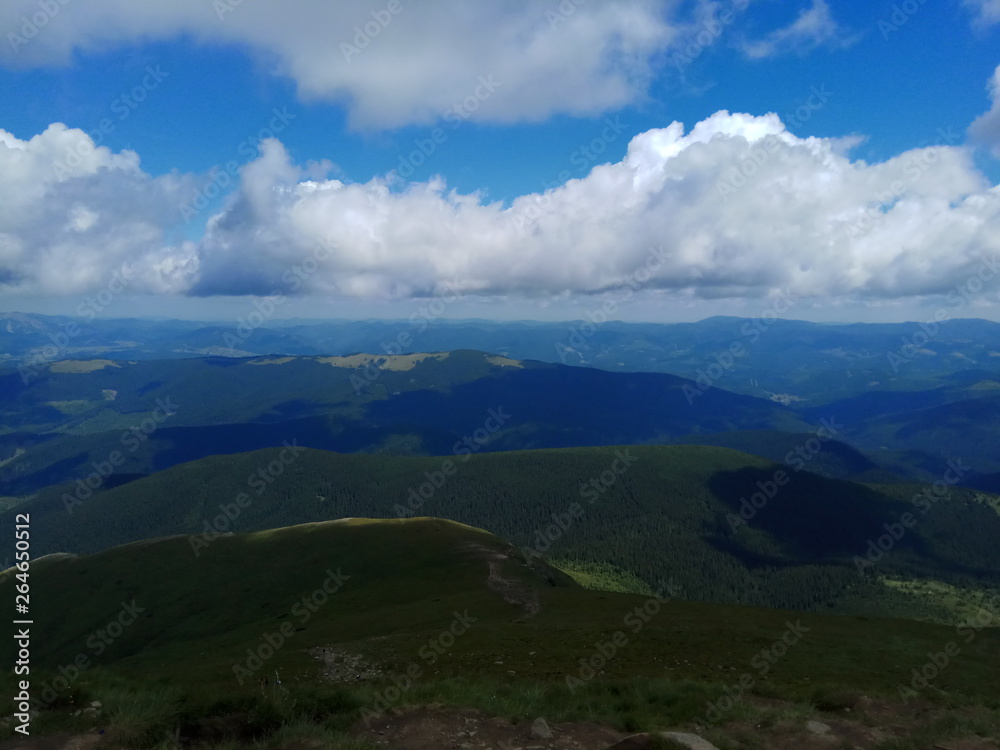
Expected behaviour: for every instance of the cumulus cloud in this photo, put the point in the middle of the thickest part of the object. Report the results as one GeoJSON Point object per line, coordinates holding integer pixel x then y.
{"type": "Point", "coordinates": [391, 62]}
{"type": "Point", "coordinates": [985, 129]}
{"type": "Point", "coordinates": [814, 27]}
{"type": "Point", "coordinates": [72, 213]}
{"type": "Point", "coordinates": [736, 207]}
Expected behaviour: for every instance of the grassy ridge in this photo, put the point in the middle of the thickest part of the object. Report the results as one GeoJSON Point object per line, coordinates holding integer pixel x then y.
{"type": "Point", "coordinates": [671, 514]}
{"type": "Point", "coordinates": [420, 598]}
{"type": "Point", "coordinates": [67, 418]}
{"type": "Point", "coordinates": [406, 584]}
{"type": "Point", "coordinates": [379, 579]}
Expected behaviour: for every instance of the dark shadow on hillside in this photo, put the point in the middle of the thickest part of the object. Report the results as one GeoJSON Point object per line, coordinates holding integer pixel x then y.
{"type": "Point", "coordinates": [812, 519]}
{"type": "Point", "coordinates": [836, 460]}
{"type": "Point", "coordinates": [182, 444]}
{"type": "Point", "coordinates": [153, 384]}
{"type": "Point", "coordinates": [65, 470]}
{"type": "Point", "coordinates": [586, 407]}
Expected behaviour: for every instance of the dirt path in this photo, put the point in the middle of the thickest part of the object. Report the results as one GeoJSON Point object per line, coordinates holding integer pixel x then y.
{"type": "Point", "coordinates": [510, 589]}
{"type": "Point", "coordinates": [438, 728]}
{"type": "Point", "coordinates": [341, 665]}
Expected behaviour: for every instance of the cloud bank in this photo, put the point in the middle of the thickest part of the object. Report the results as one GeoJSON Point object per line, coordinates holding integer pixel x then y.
{"type": "Point", "coordinates": [738, 206]}
{"type": "Point", "coordinates": [391, 62]}
{"type": "Point", "coordinates": [72, 213]}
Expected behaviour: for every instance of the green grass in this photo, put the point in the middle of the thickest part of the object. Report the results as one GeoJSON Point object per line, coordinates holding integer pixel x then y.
{"type": "Point", "coordinates": [960, 605]}
{"type": "Point", "coordinates": [6, 503]}
{"type": "Point", "coordinates": [74, 407]}
{"type": "Point", "coordinates": [603, 576]}
{"type": "Point", "coordinates": [406, 582]}
{"type": "Point", "coordinates": [637, 663]}
{"type": "Point", "coordinates": [139, 715]}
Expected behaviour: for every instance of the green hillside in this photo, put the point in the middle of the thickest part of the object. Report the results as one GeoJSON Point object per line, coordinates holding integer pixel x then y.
{"type": "Point", "coordinates": [391, 586]}
{"type": "Point", "coordinates": [346, 612]}
{"type": "Point", "coordinates": [151, 415]}
{"type": "Point", "coordinates": [652, 512]}
{"type": "Point", "coordinates": [915, 433]}
{"type": "Point", "coordinates": [372, 578]}
{"type": "Point", "coordinates": [836, 460]}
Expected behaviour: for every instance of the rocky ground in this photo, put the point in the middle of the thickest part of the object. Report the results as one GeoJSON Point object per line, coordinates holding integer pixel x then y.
{"type": "Point", "coordinates": [440, 728]}
{"type": "Point", "coordinates": [871, 725]}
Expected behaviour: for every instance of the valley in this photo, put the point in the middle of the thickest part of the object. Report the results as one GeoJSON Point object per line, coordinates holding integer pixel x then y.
{"type": "Point", "coordinates": [363, 546]}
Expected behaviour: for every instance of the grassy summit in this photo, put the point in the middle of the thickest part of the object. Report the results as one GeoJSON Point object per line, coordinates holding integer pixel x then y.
{"type": "Point", "coordinates": [361, 616]}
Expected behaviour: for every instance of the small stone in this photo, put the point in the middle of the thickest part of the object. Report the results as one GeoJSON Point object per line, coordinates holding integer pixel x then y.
{"type": "Point", "coordinates": [633, 742]}
{"type": "Point", "coordinates": [644, 740]}
{"type": "Point", "coordinates": [818, 727]}
{"type": "Point", "coordinates": [540, 729]}
{"type": "Point", "coordinates": [692, 741]}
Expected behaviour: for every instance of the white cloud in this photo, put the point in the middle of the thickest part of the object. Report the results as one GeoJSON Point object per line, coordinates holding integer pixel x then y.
{"type": "Point", "coordinates": [987, 12]}
{"type": "Point", "coordinates": [71, 214]}
{"type": "Point", "coordinates": [737, 207]}
{"type": "Point", "coordinates": [391, 69]}
{"type": "Point", "coordinates": [814, 27]}
{"type": "Point", "coordinates": [986, 128]}
{"type": "Point", "coordinates": [807, 219]}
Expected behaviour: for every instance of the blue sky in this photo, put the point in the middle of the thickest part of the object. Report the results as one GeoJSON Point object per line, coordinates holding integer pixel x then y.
{"type": "Point", "coordinates": [509, 103]}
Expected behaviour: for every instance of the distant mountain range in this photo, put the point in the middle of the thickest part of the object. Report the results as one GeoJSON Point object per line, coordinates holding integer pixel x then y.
{"type": "Point", "coordinates": [795, 361]}
{"type": "Point", "coordinates": [67, 421]}
{"type": "Point", "coordinates": [60, 417]}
